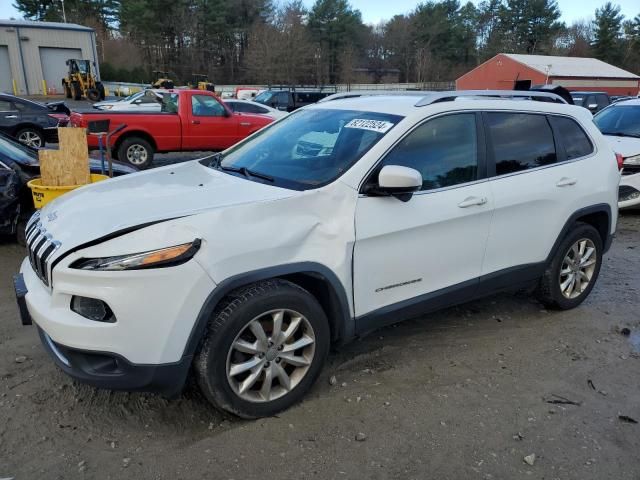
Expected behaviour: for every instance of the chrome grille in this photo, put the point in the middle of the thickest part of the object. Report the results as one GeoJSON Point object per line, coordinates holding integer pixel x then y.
{"type": "Point", "coordinates": [40, 246]}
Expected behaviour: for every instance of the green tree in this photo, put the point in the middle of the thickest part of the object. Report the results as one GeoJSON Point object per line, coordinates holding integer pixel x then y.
{"type": "Point", "coordinates": [531, 26]}
{"type": "Point", "coordinates": [607, 44]}
{"type": "Point", "coordinates": [336, 27]}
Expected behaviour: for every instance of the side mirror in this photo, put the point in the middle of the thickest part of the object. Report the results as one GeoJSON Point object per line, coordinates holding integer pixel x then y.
{"type": "Point", "coordinates": [137, 102]}
{"type": "Point", "coordinates": [592, 106]}
{"type": "Point", "coordinates": [400, 182]}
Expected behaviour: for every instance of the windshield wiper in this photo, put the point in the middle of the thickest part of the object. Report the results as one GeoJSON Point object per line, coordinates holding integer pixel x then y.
{"type": "Point", "coordinates": [246, 172]}
{"type": "Point", "coordinates": [622, 134]}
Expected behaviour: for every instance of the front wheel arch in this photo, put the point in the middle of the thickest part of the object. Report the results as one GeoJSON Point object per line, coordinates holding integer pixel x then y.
{"type": "Point", "coordinates": [310, 276]}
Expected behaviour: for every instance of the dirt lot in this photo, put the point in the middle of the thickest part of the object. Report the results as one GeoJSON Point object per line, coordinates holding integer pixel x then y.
{"type": "Point", "coordinates": [466, 393]}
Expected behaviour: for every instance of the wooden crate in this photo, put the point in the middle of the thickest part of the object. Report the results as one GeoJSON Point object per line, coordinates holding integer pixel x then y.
{"type": "Point", "coordinates": [69, 165]}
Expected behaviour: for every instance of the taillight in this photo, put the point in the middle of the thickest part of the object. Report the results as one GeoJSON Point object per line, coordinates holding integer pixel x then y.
{"type": "Point", "coordinates": [620, 160]}
{"type": "Point", "coordinates": [60, 117]}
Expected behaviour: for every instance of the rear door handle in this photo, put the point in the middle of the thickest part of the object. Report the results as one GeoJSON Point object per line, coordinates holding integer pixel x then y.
{"type": "Point", "coordinates": [472, 201]}
{"type": "Point", "coordinates": [245, 124]}
{"type": "Point", "coordinates": [195, 122]}
{"type": "Point", "coordinates": [10, 116]}
{"type": "Point", "coordinates": [566, 182]}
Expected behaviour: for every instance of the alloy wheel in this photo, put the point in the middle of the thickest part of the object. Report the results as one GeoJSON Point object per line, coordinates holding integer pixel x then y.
{"type": "Point", "coordinates": [270, 355]}
{"type": "Point", "coordinates": [577, 268]}
{"type": "Point", "coordinates": [30, 138]}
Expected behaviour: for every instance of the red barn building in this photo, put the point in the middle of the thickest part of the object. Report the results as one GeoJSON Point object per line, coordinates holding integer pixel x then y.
{"type": "Point", "coordinates": [573, 73]}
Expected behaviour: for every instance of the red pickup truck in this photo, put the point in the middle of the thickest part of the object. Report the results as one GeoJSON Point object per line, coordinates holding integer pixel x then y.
{"type": "Point", "coordinates": [189, 120]}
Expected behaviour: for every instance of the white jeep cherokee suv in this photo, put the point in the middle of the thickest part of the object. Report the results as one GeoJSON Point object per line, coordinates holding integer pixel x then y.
{"type": "Point", "coordinates": [343, 217]}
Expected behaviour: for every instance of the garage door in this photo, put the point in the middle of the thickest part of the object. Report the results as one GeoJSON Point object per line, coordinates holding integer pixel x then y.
{"type": "Point", "coordinates": [5, 70]}
{"type": "Point", "coordinates": [53, 64]}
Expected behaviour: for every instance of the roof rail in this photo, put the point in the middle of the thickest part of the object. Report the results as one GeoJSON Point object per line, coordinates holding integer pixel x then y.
{"type": "Point", "coordinates": [429, 97]}
{"type": "Point", "coordinates": [369, 93]}
{"type": "Point", "coordinates": [436, 97]}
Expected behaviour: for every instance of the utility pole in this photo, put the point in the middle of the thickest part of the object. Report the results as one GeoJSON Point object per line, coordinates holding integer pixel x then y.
{"type": "Point", "coordinates": [64, 15]}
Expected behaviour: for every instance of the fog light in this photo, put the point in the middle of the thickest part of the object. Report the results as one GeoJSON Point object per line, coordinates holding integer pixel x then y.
{"type": "Point", "coordinates": [92, 309]}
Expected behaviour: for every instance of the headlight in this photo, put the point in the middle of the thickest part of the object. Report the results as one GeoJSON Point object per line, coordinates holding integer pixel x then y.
{"type": "Point", "coordinates": [635, 160]}
{"type": "Point", "coordinates": [163, 257]}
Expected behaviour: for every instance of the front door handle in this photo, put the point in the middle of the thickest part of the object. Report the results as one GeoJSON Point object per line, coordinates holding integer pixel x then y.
{"type": "Point", "coordinates": [10, 116]}
{"type": "Point", "coordinates": [566, 182]}
{"type": "Point", "coordinates": [195, 122]}
{"type": "Point", "coordinates": [472, 201]}
{"type": "Point", "coordinates": [245, 124]}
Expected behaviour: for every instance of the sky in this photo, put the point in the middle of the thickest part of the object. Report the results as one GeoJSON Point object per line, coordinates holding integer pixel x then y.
{"type": "Point", "coordinates": [373, 11]}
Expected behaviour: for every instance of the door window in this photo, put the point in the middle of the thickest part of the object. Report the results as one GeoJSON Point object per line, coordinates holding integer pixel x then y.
{"type": "Point", "coordinates": [206, 106]}
{"type": "Point", "coordinates": [5, 106]}
{"type": "Point", "coordinates": [521, 141]}
{"type": "Point", "coordinates": [602, 101]}
{"type": "Point", "coordinates": [575, 141]}
{"type": "Point", "coordinates": [444, 150]}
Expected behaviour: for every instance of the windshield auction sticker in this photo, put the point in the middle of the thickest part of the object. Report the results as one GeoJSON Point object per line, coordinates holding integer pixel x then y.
{"type": "Point", "coordinates": [379, 126]}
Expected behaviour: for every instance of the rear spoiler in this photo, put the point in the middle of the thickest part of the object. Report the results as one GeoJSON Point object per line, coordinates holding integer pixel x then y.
{"type": "Point", "coordinates": [58, 107]}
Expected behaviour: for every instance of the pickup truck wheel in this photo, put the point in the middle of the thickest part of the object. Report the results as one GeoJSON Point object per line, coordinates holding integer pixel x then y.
{"type": "Point", "coordinates": [264, 348]}
{"type": "Point", "coordinates": [137, 151]}
{"type": "Point", "coordinates": [31, 137]}
{"type": "Point", "coordinates": [574, 269]}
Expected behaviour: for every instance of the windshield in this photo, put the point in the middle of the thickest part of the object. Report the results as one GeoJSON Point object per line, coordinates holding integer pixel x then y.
{"type": "Point", "coordinates": [264, 97]}
{"type": "Point", "coordinates": [619, 120]}
{"type": "Point", "coordinates": [131, 98]}
{"type": "Point", "coordinates": [309, 148]}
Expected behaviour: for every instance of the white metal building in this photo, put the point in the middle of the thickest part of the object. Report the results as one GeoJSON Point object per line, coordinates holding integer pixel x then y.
{"type": "Point", "coordinates": [33, 54]}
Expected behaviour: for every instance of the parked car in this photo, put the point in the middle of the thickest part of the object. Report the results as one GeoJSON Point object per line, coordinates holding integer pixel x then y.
{"type": "Point", "coordinates": [619, 98]}
{"type": "Point", "coordinates": [246, 266]}
{"type": "Point", "coordinates": [246, 106]}
{"type": "Point", "coordinates": [290, 99]}
{"type": "Point", "coordinates": [189, 120]}
{"type": "Point", "coordinates": [592, 101]}
{"type": "Point", "coordinates": [32, 123]}
{"type": "Point", "coordinates": [18, 165]}
{"type": "Point", "coordinates": [620, 124]}
{"type": "Point", "coordinates": [149, 100]}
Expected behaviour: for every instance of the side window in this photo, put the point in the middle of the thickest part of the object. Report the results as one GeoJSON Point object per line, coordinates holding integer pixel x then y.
{"type": "Point", "coordinates": [237, 106]}
{"type": "Point", "coordinates": [520, 141]}
{"type": "Point", "coordinates": [576, 142]}
{"type": "Point", "coordinates": [602, 101]}
{"type": "Point", "coordinates": [283, 99]}
{"type": "Point", "coordinates": [259, 109]}
{"type": "Point", "coordinates": [444, 150]}
{"type": "Point", "coordinates": [5, 106]}
{"type": "Point", "coordinates": [206, 106]}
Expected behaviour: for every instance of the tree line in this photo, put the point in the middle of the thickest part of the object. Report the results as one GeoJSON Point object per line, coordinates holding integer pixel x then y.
{"type": "Point", "coordinates": [263, 42]}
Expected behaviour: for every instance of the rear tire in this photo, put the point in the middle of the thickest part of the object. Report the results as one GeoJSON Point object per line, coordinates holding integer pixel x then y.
{"type": "Point", "coordinates": [31, 137]}
{"type": "Point", "coordinates": [137, 151]}
{"type": "Point", "coordinates": [574, 269]}
{"type": "Point", "coordinates": [260, 374]}
{"type": "Point", "coordinates": [67, 90]}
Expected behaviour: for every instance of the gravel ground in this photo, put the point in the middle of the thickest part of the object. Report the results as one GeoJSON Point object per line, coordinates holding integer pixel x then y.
{"type": "Point", "coordinates": [465, 393]}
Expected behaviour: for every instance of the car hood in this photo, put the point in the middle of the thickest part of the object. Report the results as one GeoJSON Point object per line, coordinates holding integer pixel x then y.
{"type": "Point", "coordinates": [102, 209]}
{"type": "Point", "coordinates": [625, 146]}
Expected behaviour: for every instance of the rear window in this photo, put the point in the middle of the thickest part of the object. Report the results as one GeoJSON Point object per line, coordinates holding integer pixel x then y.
{"type": "Point", "coordinates": [575, 140]}
{"type": "Point", "coordinates": [521, 141]}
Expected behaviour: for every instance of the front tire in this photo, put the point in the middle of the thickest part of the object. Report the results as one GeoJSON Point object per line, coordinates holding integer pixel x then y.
{"type": "Point", "coordinates": [137, 151]}
{"type": "Point", "coordinates": [573, 272]}
{"type": "Point", "coordinates": [264, 348]}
